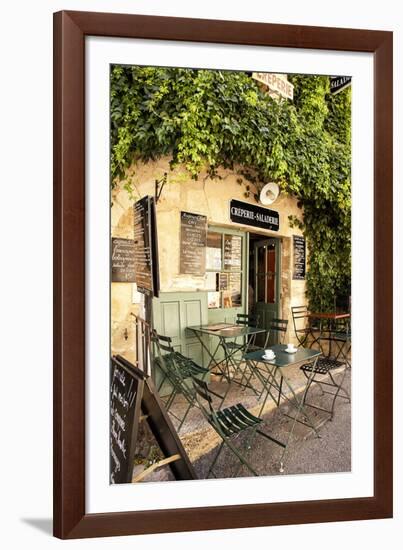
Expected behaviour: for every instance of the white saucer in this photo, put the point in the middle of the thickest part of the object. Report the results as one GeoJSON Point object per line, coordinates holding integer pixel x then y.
{"type": "Point", "coordinates": [291, 350]}
{"type": "Point", "coordinates": [268, 358]}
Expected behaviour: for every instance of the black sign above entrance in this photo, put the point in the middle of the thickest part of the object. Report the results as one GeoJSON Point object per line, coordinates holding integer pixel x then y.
{"type": "Point", "coordinates": [338, 83]}
{"type": "Point", "coordinates": [256, 216]}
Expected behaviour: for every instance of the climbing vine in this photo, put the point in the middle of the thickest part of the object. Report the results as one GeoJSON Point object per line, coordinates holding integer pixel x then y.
{"type": "Point", "coordinates": [210, 119]}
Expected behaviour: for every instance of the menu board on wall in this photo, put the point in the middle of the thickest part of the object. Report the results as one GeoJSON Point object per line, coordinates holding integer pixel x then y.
{"type": "Point", "coordinates": [232, 253]}
{"type": "Point", "coordinates": [122, 260]}
{"type": "Point", "coordinates": [193, 239]}
{"type": "Point", "coordinates": [145, 247]}
{"type": "Point", "coordinates": [299, 256]}
{"type": "Point", "coordinates": [126, 389]}
{"type": "Point", "coordinates": [223, 281]}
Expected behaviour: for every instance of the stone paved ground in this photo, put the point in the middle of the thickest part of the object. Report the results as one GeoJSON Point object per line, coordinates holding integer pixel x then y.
{"type": "Point", "coordinates": [306, 453]}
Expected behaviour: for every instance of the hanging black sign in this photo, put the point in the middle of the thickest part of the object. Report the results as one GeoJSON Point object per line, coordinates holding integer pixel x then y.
{"type": "Point", "coordinates": [154, 248]}
{"type": "Point", "coordinates": [299, 257]}
{"type": "Point", "coordinates": [256, 216]}
{"type": "Point", "coordinates": [146, 248]}
{"type": "Point", "coordinates": [122, 260]}
{"type": "Point", "coordinates": [193, 240]}
{"type": "Point", "coordinates": [338, 83]}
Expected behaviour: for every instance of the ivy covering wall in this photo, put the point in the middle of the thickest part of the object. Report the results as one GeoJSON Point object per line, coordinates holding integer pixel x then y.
{"type": "Point", "coordinates": [211, 119]}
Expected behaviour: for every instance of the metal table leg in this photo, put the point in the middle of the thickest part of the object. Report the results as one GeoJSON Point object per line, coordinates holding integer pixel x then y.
{"type": "Point", "coordinates": [300, 408]}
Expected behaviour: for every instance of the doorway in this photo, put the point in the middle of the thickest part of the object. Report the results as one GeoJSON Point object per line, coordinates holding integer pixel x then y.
{"type": "Point", "coordinates": [264, 281]}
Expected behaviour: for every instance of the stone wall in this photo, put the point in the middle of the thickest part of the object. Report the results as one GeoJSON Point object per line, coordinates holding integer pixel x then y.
{"type": "Point", "coordinates": [206, 196]}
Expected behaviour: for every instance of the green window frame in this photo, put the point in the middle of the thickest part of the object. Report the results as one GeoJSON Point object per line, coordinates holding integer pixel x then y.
{"type": "Point", "coordinates": [230, 267]}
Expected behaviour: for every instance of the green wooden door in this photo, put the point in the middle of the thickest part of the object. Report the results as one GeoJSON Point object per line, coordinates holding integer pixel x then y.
{"type": "Point", "coordinates": [173, 312]}
{"type": "Point", "coordinates": [267, 282]}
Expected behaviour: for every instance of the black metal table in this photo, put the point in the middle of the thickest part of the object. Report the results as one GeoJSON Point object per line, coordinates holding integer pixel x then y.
{"type": "Point", "coordinates": [272, 373]}
{"type": "Point", "coordinates": [224, 335]}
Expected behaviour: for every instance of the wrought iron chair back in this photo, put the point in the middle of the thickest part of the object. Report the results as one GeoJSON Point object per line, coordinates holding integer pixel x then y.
{"type": "Point", "coordinates": [279, 326]}
{"type": "Point", "coordinates": [247, 319]}
{"type": "Point", "coordinates": [301, 322]}
{"type": "Point", "coordinates": [177, 369]}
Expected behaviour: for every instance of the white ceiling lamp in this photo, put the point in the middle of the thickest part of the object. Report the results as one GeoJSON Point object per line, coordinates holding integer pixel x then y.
{"type": "Point", "coordinates": [269, 193]}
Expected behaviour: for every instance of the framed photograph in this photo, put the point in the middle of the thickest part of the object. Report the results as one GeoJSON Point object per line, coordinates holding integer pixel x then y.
{"type": "Point", "coordinates": [222, 274]}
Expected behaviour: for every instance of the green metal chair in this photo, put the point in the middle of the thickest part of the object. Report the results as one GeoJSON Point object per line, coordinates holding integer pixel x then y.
{"type": "Point", "coordinates": [304, 326]}
{"type": "Point", "coordinates": [245, 320]}
{"type": "Point", "coordinates": [235, 348]}
{"type": "Point", "coordinates": [278, 326]}
{"type": "Point", "coordinates": [229, 423]}
{"type": "Point", "coordinates": [323, 376]}
{"type": "Point", "coordinates": [342, 338]}
{"type": "Point", "coordinates": [178, 371]}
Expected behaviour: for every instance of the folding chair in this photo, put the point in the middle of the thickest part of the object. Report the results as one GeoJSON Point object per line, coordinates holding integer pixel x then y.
{"type": "Point", "coordinates": [321, 369]}
{"type": "Point", "coordinates": [177, 370]}
{"type": "Point", "coordinates": [280, 327]}
{"type": "Point", "coordinates": [301, 322]}
{"type": "Point", "coordinates": [342, 337]}
{"type": "Point", "coordinates": [246, 320]}
{"type": "Point", "coordinates": [229, 423]}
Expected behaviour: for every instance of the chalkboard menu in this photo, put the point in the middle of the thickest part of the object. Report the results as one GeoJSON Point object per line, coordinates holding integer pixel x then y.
{"type": "Point", "coordinates": [122, 260]}
{"type": "Point", "coordinates": [132, 393]}
{"type": "Point", "coordinates": [126, 391]}
{"type": "Point", "coordinates": [193, 239]}
{"type": "Point", "coordinates": [145, 247]}
{"type": "Point", "coordinates": [299, 257]}
{"type": "Point", "coordinates": [232, 253]}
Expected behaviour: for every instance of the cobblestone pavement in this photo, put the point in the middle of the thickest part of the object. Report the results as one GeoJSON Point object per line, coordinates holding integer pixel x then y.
{"type": "Point", "coordinates": [306, 453]}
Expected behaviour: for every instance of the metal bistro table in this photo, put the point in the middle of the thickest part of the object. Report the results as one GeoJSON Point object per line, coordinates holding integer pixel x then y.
{"type": "Point", "coordinates": [225, 332]}
{"type": "Point", "coordinates": [272, 373]}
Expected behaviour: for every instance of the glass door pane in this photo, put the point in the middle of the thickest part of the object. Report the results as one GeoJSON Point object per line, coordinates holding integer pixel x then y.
{"type": "Point", "coordinates": [271, 274]}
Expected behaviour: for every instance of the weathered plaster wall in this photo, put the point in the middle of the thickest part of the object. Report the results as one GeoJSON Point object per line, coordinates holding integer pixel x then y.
{"type": "Point", "coordinates": [181, 193]}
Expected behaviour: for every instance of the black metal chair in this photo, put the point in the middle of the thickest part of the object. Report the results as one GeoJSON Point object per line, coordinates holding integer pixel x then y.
{"type": "Point", "coordinates": [280, 327]}
{"type": "Point", "coordinates": [322, 370]}
{"type": "Point", "coordinates": [178, 370]}
{"type": "Point", "coordinates": [246, 320]}
{"type": "Point", "coordinates": [302, 323]}
{"type": "Point", "coordinates": [342, 329]}
{"type": "Point", "coordinates": [236, 350]}
{"type": "Point", "coordinates": [229, 423]}
{"type": "Point", "coordinates": [342, 338]}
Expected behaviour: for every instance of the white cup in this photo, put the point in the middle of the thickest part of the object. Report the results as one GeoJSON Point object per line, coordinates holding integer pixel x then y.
{"type": "Point", "coordinates": [290, 347]}
{"type": "Point", "coordinates": [269, 353]}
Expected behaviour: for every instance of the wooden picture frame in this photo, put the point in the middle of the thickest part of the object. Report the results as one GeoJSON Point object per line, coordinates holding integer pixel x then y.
{"type": "Point", "coordinates": [70, 517]}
